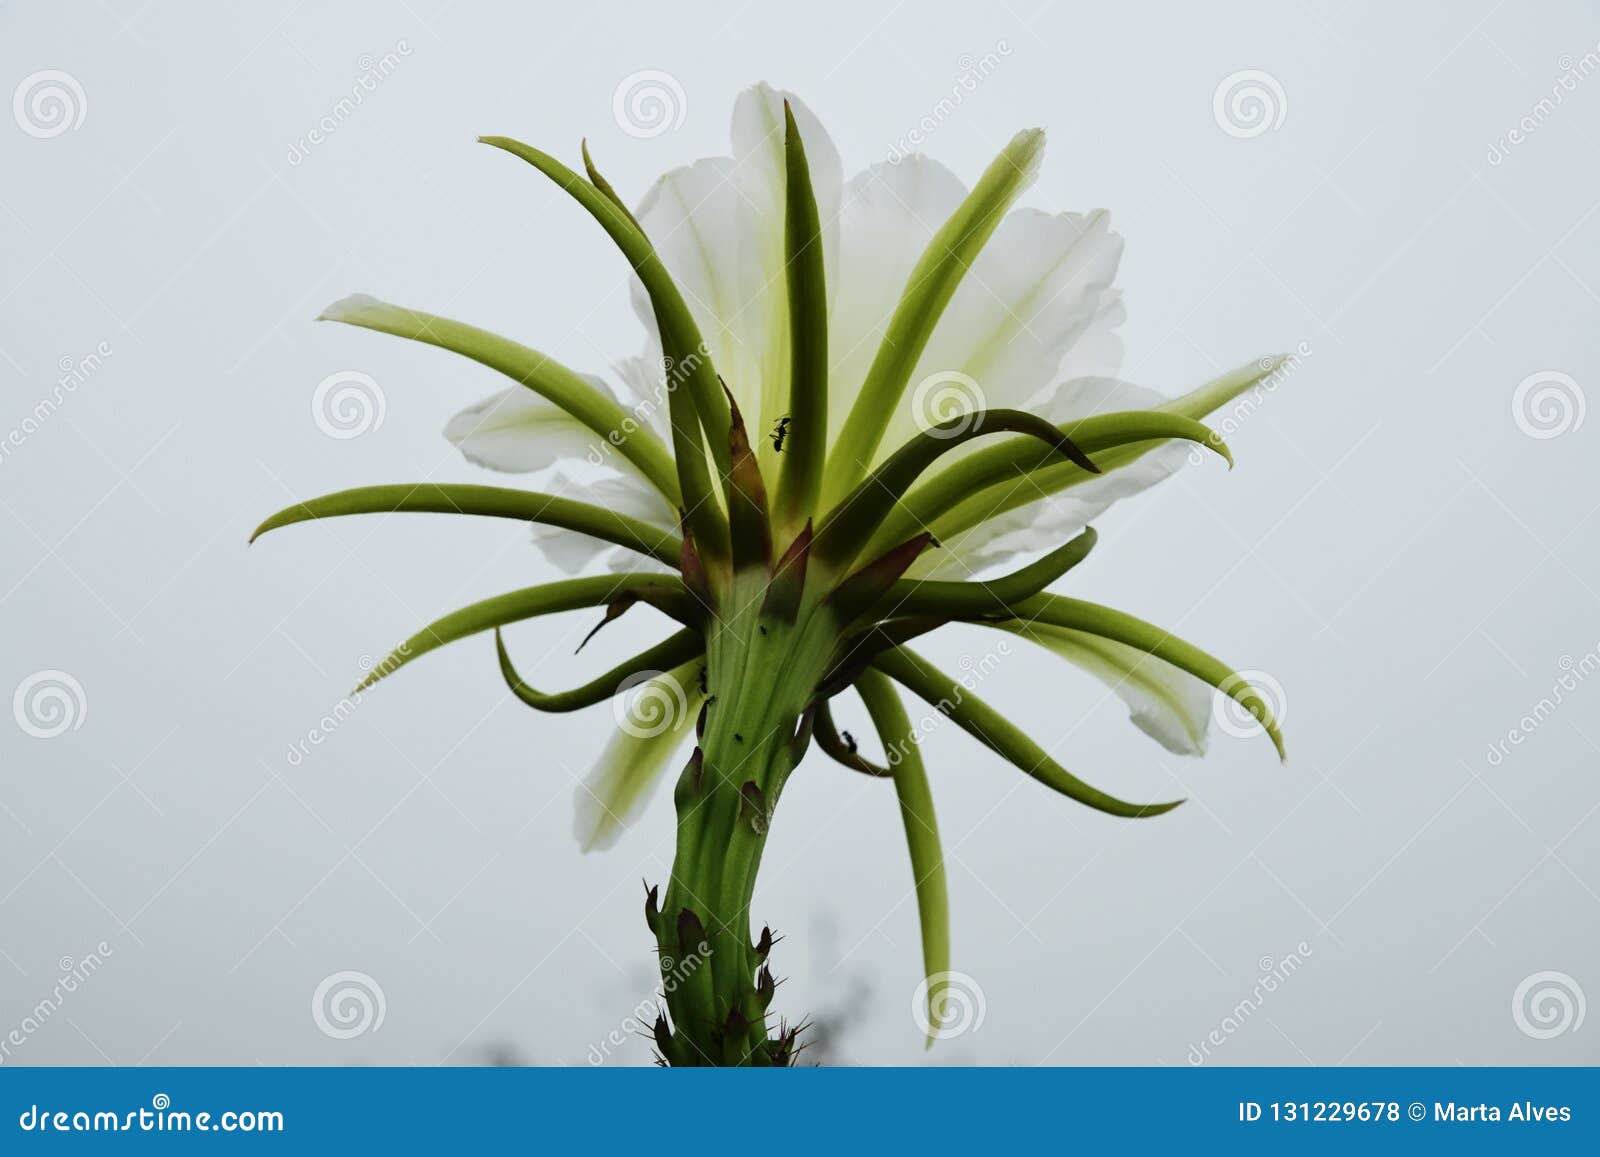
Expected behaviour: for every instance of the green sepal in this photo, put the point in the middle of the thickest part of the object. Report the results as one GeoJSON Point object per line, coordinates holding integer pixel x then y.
{"type": "Point", "coordinates": [670, 652]}
{"type": "Point", "coordinates": [1000, 735]}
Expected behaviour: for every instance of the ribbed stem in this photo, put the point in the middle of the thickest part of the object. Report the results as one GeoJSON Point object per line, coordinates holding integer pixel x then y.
{"type": "Point", "coordinates": [761, 674]}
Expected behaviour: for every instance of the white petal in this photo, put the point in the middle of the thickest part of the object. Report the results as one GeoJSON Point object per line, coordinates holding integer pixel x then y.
{"type": "Point", "coordinates": [887, 217]}
{"type": "Point", "coordinates": [1171, 706]}
{"type": "Point", "coordinates": [1038, 286]}
{"type": "Point", "coordinates": [1050, 521]}
{"type": "Point", "coordinates": [626, 494]}
{"type": "Point", "coordinates": [653, 720]}
{"type": "Point", "coordinates": [518, 431]}
{"type": "Point", "coordinates": [760, 170]}
{"type": "Point", "coordinates": [719, 227]}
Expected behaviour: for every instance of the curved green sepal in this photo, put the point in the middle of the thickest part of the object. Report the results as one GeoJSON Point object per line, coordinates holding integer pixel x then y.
{"type": "Point", "coordinates": [839, 746]}
{"type": "Point", "coordinates": [922, 836]}
{"type": "Point", "coordinates": [1094, 619]}
{"type": "Point", "coordinates": [990, 475]}
{"type": "Point", "coordinates": [933, 281]}
{"type": "Point", "coordinates": [989, 596]}
{"type": "Point", "coordinates": [800, 477]}
{"type": "Point", "coordinates": [1000, 735]}
{"type": "Point", "coordinates": [490, 502]}
{"type": "Point", "coordinates": [539, 372]}
{"type": "Point", "coordinates": [665, 591]}
{"type": "Point", "coordinates": [672, 651]}
{"type": "Point", "coordinates": [702, 404]}
{"type": "Point", "coordinates": [849, 525]}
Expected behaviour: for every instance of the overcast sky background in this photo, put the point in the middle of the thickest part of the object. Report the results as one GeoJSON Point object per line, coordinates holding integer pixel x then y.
{"type": "Point", "coordinates": [1403, 550]}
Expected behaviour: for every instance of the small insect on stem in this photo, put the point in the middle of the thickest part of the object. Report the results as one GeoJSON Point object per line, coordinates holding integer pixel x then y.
{"type": "Point", "coordinates": [780, 432]}
{"type": "Point", "coordinates": [849, 741]}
